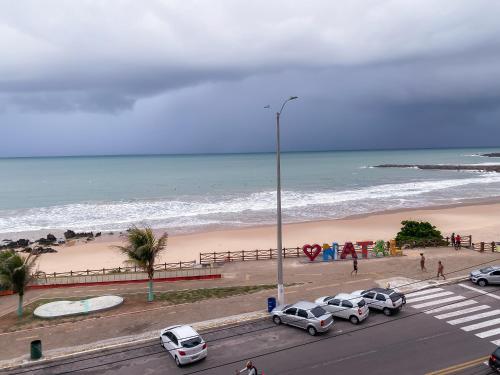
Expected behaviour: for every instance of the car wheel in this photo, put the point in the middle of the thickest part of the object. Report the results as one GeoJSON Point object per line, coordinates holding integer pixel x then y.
{"type": "Point", "coordinates": [311, 330]}
{"type": "Point", "coordinates": [354, 319]}
{"type": "Point", "coordinates": [482, 282]}
{"type": "Point", "coordinates": [276, 320]}
{"type": "Point", "coordinates": [177, 362]}
{"type": "Point", "coordinates": [386, 311]}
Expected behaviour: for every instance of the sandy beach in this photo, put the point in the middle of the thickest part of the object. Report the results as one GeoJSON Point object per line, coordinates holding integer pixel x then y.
{"type": "Point", "coordinates": [481, 220]}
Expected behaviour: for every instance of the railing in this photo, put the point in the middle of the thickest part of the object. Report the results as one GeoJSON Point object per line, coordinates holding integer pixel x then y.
{"type": "Point", "coordinates": [110, 271]}
{"type": "Point", "coordinates": [486, 246]}
{"type": "Point", "coordinates": [220, 257]}
{"type": "Point", "coordinates": [465, 241]}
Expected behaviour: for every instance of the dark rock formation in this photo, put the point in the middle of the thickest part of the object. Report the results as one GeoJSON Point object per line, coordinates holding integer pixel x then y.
{"type": "Point", "coordinates": [98, 234]}
{"type": "Point", "coordinates": [15, 244]}
{"type": "Point", "coordinates": [51, 237]}
{"type": "Point", "coordinates": [485, 168]}
{"type": "Point", "coordinates": [492, 155]}
{"type": "Point", "coordinates": [71, 234]}
{"type": "Point", "coordinates": [38, 250]}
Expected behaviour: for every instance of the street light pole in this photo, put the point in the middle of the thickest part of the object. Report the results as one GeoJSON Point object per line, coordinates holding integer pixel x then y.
{"type": "Point", "coordinates": [281, 289]}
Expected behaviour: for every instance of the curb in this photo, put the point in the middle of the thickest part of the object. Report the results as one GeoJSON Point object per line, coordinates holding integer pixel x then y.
{"type": "Point", "coordinates": [120, 342]}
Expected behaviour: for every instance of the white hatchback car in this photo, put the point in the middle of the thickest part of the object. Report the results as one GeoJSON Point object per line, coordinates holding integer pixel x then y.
{"type": "Point", "coordinates": [346, 306]}
{"type": "Point", "coordinates": [183, 343]}
{"type": "Point", "coordinates": [387, 300]}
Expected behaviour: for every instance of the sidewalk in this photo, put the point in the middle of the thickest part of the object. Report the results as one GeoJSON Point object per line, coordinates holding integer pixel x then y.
{"type": "Point", "coordinates": [313, 281]}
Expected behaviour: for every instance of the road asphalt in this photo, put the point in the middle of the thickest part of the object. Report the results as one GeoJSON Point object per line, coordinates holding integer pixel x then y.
{"type": "Point", "coordinates": [447, 340]}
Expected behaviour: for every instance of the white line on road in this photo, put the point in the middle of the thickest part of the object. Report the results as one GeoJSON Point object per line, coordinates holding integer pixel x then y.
{"type": "Point", "coordinates": [438, 302]}
{"type": "Point", "coordinates": [482, 325]}
{"type": "Point", "coordinates": [496, 342]}
{"type": "Point", "coordinates": [355, 281]}
{"type": "Point", "coordinates": [480, 291]}
{"type": "Point", "coordinates": [470, 318]}
{"type": "Point", "coordinates": [422, 292]}
{"type": "Point", "coordinates": [452, 306]}
{"type": "Point", "coordinates": [462, 312]}
{"type": "Point", "coordinates": [423, 298]}
{"type": "Point", "coordinates": [322, 286]}
{"type": "Point", "coordinates": [491, 332]}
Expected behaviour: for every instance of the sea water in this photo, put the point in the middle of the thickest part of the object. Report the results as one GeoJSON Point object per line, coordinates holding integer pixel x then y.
{"type": "Point", "coordinates": [186, 193]}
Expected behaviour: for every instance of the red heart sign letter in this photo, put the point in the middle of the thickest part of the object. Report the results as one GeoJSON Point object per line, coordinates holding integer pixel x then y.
{"type": "Point", "coordinates": [311, 251]}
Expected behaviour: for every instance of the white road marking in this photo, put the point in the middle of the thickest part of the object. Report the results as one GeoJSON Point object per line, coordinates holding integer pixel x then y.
{"type": "Point", "coordinates": [496, 342]}
{"type": "Point", "coordinates": [470, 318]}
{"type": "Point", "coordinates": [425, 291]}
{"type": "Point", "coordinates": [427, 297]}
{"type": "Point", "coordinates": [355, 281]}
{"type": "Point", "coordinates": [491, 332]}
{"type": "Point", "coordinates": [322, 286]}
{"type": "Point", "coordinates": [452, 306]}
{"type": "Point", "coordinates": [438, 302]}
{"type": "Point", "coordinates": [489, 294]}
{"type": "Point", "coordinates": [462, 312]}
{"type": "Point", "coordinates": [482, 325]}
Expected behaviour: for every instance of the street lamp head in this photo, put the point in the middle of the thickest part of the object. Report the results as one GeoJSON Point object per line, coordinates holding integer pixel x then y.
{"type": "Point", "coordinates": [293, 97]}
{"type": "Point", "coordinates": [267, 106]}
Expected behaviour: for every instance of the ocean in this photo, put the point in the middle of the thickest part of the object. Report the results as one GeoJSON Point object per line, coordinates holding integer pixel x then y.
{"type": "Point", "coordinates": [190, 193]}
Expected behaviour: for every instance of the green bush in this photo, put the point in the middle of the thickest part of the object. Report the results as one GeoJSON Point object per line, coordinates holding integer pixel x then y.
{"type": "Point", "coordinates": [419, 234]}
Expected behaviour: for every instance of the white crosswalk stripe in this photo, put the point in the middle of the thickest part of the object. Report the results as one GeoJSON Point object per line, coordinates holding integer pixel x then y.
{"type": "Point", "coordinates": [429, 296]}
{"type": "Point", "coordinates": [425, 291]}
{"type": "Point", "coordinates": [462, 312]}
{"type": "Point", "coordinates": [438, 302]}
{"type": "Point", "coordinates": [496, 342]}
{"type": "Point", "coordinates": [488, 323]}
{"type": "Point", "coordinates": [452, 306]}
{"type": "Point", "coordinates": [470, 318]}
{"type": "Point", "coordinates": [491, 332]}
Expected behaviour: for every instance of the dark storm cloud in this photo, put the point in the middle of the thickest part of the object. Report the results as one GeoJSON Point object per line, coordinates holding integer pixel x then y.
{"type": "Point", "coordinates": [195, 75]}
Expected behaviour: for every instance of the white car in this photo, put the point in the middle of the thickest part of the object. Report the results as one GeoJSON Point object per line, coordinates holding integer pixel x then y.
{"type": "Point", "coordinates": [346, 306]}
{"type": "Point", "coordinates": [183, 343]}
{"type": "Point", "coordinates": [387, 300]}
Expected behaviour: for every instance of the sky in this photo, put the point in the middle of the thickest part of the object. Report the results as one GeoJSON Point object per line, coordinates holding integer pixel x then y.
{"type": "Point", "coordinates": [158, 77]}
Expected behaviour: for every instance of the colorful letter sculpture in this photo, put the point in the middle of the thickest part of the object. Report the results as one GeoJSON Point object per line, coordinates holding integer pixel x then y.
{"type": "Point", "coordinates": [327, 252]}
{"type": "Point", "coordinates": [364, 247]}
{"type": "Point", "coordinates": [335, 248]}
{"type": "Point", "coordinates": [394, 250]}
{"type": "Point", "coordinates": [311, 251]}
{"type": "Point", "coordinates": [379, 249]}
{"type": "Point", "coordinates": [348, 249]}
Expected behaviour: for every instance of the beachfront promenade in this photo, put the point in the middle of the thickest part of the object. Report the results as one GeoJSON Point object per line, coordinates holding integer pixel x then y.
{"type": "Point", "coordinates": [136, 317]}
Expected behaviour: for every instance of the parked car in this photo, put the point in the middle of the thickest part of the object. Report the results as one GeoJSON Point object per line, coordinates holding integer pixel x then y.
{"type": "Point", "coordinates": [485, 276]}
{"type": "Point", "coordinates": [183, 343]}
{"type": "Point", "coordinates": [346, 306]}
{"type": "Point", "coordinates": [305, 315]}
{"type": "Point", "coordinates": [386, 300]}
{"type": "Point", "coordinates": [494, 361]}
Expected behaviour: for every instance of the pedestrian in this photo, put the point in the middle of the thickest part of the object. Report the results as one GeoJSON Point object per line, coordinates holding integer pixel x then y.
{"type": "Point", "coordinates": [453, 239]}
{"type": "Point", "coordinates": [354, 266]}
{"type": "Point", "coordinates": [458, 242]}
{"type": "Point", "coordinates": [249, 367]}
{"type": "Point", "coordinates": [422, 263]}
{"type": "Point", "coordinates": [440, 270]}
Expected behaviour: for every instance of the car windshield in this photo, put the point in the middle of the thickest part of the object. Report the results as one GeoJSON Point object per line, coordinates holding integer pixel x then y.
{"type": "Point", "coordinates": [191, 343]}
{"type": "Point", "coordinates": [487, 269]}
{"type": "Point", "coordinates": [395, 296]}
{"type": "Point", "coordinates": [361, 303]}
{"type": "Point", "coordinates": [496, 353]}
{"type": "Point", "coordinates": [318, 311]}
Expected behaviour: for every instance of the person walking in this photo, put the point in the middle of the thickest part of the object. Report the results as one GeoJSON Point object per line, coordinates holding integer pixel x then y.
{"type": "Point", "coordinates": [440, 270]}
{"type": "Point", "coordinates": [354, 267]}
{"type": "Point", "coordinates": [249, 367]}
{"type": "Point", "coordinates": [453, 239]}
{"type": "Point", "coordinates": [422, 263]}
{"type": "Point", "coordinates": [458, 242]}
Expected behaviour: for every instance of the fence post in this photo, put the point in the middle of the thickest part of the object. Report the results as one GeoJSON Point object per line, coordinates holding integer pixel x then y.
{"type": "Point", "coordinates": [243, 254]}
{"type": "Point", "coordinates": [470, 240]}
{"type": "Point", "coordinates": [200, 258]}
{"type": "Point", "coordinates": [256, 254]}
{"type": "Point", "coordinates": [87, 272]}
{"type": "Point", "coordinates": [228, 256]}
{"type": "Point", "coordinates": [493, 245]}
{"type": "Point", "coordinates": [71, 273]}
{"type": "Point", "coordinates": [298, 252]}
{"type": "Point", "coordinates": [481, 249]}
{"type": "Point", "coordinates": [270, 253]}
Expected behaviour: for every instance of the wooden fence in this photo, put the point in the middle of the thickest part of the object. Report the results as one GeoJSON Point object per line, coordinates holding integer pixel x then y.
{"type": "Point", "coordinates": [486, 246]}
{"type": "Point", "coordinates": [465, 241]}
{"type": "Point", "coordinates": [219, 257]}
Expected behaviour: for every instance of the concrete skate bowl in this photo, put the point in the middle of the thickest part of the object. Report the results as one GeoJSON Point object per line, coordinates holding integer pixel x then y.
{"type": "Point", "coordinates": [60, 309]}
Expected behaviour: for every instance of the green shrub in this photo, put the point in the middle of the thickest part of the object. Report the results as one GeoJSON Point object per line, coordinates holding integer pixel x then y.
{"type": "Point", "coordinates": [419, 234]}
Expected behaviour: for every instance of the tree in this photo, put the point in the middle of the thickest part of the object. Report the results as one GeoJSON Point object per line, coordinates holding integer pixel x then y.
{"type": "Point", "coordinates": [16, 273]}
{"type": "Point", "coordinates": [419, 233]}
{"type": "Point", "coordinates": [143, 249]}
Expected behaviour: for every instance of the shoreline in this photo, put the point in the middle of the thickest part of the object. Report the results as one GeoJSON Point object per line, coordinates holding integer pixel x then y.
{"type": "Point", "coordinates": [479, 218]}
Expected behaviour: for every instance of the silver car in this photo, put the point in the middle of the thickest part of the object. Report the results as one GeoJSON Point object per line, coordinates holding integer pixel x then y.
{"type": "Point", "coordinates": [485, 276]}
{"type": "Point", "coordinates": [305, 315]}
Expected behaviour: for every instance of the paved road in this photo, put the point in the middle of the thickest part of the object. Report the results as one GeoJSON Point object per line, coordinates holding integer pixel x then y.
{"type": "Point", "coordinates": [455, 337]}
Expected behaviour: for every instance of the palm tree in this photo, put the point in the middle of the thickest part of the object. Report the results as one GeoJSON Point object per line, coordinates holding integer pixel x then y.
{"type": "Point", "coordinates": [16, 273]}
{"type": "Point", "coordinates": [143, 249]}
